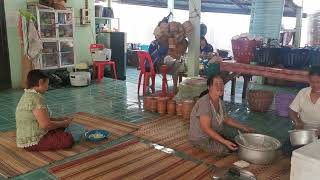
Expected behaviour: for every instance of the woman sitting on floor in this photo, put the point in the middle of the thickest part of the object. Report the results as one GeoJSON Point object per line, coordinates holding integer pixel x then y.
{"type": "Point", "coordinates": [36, 131]}
{"type": "Point", "coordinates": [208, 118]}
{"type": "Point", "coordinates": [305, 109]}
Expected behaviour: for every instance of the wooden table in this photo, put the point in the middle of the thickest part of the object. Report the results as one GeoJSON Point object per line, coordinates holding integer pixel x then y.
{"type": "Point", "coordinates": [248, 70]}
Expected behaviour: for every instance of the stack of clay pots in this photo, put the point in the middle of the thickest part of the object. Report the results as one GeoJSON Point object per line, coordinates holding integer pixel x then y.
{"type": "Point", "coordinates": [165, 105]}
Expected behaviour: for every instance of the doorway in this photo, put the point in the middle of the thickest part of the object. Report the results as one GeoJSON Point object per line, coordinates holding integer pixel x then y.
{"type": "Point", "coordinates": [5, 78]}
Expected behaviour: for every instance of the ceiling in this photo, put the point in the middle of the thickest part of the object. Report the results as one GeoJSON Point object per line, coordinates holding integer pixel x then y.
{"type": "Point", "coordinates": [216, 6]}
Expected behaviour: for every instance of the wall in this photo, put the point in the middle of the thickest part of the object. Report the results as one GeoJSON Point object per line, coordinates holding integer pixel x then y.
{"type": "Point", "coordinates": [84, 35]}
{"type": "Point", "coordinates": [11, 9]}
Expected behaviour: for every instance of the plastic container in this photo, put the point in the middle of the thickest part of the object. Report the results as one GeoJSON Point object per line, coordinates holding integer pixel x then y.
{"type": "Point", "coordinates": [267, 56]}
{"type": "Point", "coordinates": [244, 49]}
{"type": "Point", "coordinates": [294, 58]}
{"type": "Point", "coordinates": [283, 102]}
{"type": "Point", "coordinates": [77, 131]}
{"type": "Point", "coordinates": [101, 55]}
{"type": "Point", "coordinates": [81, 78]}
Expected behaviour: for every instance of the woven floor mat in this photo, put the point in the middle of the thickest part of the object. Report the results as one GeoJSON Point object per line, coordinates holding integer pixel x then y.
{"type": "Point", "coordinates": [15, 161]}
{"type": "Point", "coordinates": [172, 132]}
{"type": "Point", "coordinates": [131, 160]}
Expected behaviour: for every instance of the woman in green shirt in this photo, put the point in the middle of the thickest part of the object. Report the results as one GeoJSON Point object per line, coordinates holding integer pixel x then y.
{"type": "Point", "coordinates": [36, 131]}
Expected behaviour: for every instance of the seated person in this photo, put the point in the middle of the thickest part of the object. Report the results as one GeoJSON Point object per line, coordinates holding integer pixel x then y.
{"type": "Point", "coordinates": [305, 109]}
{"type": "Point", "coordinates": [157, 50]}
{"type": "Point", "coordinates": [206, 49]}
{"type": "Point", "coordinates": [208, 118]}
{"type": "Point", "coordinates": [36, 131]}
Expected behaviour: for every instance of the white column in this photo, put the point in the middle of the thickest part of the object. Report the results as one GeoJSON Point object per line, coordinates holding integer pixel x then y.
{"type": "Point", "coordinates": [297, 38]}
{"type": "Point", "coordinates": [194, 40]}
{"type": "Point", "coordinates": [109, 3]}
{"type": "Point", "coordinates": [171, 8]}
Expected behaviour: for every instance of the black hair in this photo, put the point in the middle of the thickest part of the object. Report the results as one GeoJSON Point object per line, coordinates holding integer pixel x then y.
{"type": "Point", "coordinates": [211, 78]}
{"type": "Point", "coordinates": [209, 84]}
{"type": "Point", "coordinates": [34, 76]}
{"type": "Point", "coordinates": [202, 38]}
{"type": "Point", "coordinates": [314, 70]}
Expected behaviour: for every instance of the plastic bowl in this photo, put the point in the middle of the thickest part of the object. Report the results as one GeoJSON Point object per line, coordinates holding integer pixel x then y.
{"type": "Point", "coordinates": [104, 134]}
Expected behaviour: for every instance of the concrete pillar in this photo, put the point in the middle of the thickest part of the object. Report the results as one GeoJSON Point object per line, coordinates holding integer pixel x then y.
{"type": "Point", "coordinates": [194, 40]}
{"type": "Point", "coordinates": [109, 3]}
{"type": "Point", "coordinates": [171, 8]}
{"type": "Point", "coordinates": [297, 38]}
{"type": "Point", "coordinates": [266, 18]}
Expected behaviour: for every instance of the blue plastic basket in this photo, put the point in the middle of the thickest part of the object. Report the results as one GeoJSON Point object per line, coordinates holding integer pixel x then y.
{"type": "Point", "coordinates": [314, 58]}
{"type": "Point", "coordinates": [294, 58]}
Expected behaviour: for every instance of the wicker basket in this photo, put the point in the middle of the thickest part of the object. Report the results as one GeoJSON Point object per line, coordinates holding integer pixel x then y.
{"type": "Point", "coordinates": [260, 100]}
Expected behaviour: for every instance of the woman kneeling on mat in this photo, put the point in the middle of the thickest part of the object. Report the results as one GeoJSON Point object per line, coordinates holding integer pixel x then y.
{"type": "Point", "coordinates": [36, 131]}
{"type": "Point", "coordinates": [207, 119]}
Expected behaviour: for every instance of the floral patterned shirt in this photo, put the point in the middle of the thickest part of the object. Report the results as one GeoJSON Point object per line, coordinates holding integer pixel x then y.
{"type": "Point", "coordinates": [28, 131]}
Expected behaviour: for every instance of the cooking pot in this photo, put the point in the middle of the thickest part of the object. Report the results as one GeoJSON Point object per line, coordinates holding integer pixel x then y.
{"type": "Point", "coordinates": [302, 137]}
{"type": "Point", "coordinates": [258, 148]}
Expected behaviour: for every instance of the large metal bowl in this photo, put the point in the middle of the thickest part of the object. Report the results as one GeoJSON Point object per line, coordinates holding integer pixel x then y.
{"type": "Point", "coordinates": [258, 148]}
{"type": "Point", "coordinates": [302, 137]}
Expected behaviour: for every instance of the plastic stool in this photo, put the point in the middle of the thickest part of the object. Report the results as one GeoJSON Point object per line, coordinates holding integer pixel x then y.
{"type": "Point", "coordinates": [100, 65]}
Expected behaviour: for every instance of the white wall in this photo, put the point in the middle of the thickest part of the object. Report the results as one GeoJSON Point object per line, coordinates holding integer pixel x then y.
{"type": "Point", "coordinates": [140, 21]}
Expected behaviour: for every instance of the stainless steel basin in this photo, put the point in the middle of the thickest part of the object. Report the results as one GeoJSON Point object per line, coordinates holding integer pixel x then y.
{"type": "Point", "coordinates": [259, 148]}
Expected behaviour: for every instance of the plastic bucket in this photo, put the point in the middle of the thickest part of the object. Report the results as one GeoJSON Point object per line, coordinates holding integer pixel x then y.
{"type": "Point", "coordinates": [77, 131]}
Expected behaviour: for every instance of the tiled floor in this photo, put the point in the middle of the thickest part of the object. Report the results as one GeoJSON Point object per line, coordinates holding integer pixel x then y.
{"type": "Point", "coordinates": [119, 100]}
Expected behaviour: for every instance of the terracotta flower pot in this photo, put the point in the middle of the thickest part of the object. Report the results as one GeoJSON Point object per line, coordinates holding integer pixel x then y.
{"type": "Point", "coordinates": [162, 105]}
{"type": "Point", "coordinates": [147, 103]}
{"type": "Point", "coordinates": [179, 109]}
{"type": "Point", "coordinates": [187, 106]}
{"type": "Point", "coordinates": [171, 107]}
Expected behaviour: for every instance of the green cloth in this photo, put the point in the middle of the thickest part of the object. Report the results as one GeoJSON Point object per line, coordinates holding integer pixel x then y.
{"type": "Point", "coordinates": [190, 90]}
{"type": "Point", "coordinates": [28, 131]}
{"type": "Point", "coordinates": [212, 69]}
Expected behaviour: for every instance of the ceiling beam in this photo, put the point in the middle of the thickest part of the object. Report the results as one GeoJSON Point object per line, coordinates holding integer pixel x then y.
{"type": "Point", "coordinates": [204, 8]}
{"type": "Point", "coordinates": [240, 5]}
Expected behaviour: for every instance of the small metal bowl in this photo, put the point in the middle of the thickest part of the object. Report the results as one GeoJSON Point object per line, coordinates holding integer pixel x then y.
{"type": "Point", "coordinates": [302, 137]}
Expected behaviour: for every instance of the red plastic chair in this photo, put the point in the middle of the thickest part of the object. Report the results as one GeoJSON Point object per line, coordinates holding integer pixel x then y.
{"type": "Point", "coordinates": [100, 64]}
{"type": "Point", "coordinates": [143, 58]}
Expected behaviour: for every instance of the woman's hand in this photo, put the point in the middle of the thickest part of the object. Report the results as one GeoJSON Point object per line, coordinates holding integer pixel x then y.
{"type": "Point", "coordinates": [249, 130]}
{"type": "Point", "coordinates": [298, 125]}
{"type": "Point", "coordinates": [230, 145]}
{"type": "Point", "coordinates": [67, 121]}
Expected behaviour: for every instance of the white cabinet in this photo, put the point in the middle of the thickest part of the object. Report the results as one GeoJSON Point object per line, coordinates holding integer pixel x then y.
{"type": "Point", "coordinates": [56, 30]}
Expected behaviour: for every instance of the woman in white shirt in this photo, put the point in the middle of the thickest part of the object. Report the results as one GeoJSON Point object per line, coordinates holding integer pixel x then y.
{"type": "Point", "coordinates": [305, 109]}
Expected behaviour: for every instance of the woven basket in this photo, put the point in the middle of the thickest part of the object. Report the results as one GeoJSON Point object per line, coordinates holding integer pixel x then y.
{"type": "Point", "coordinates": [244, 49]}
{"type": "Point", "coordinates": [260, 100]}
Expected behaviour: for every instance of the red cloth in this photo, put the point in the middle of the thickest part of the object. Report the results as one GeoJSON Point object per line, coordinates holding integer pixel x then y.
{"type": "Point", "coordinates": [54, 140]}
